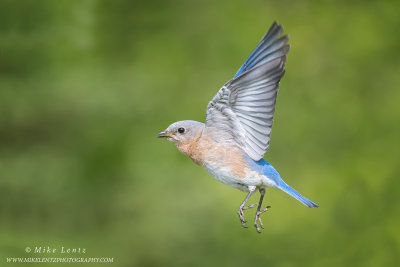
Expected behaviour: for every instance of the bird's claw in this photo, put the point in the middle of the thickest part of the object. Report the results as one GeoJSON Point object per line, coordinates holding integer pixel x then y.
{"type": "Point", "coordinates": [257, 220]}
{"type": "Point", "coordinates": [241, 214]}
{"type": "Point", "coordinates": [250, 206]}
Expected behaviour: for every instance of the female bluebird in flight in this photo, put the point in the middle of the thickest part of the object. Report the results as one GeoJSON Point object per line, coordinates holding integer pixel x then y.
{"type": "Point", "coordinates": [232, 142]}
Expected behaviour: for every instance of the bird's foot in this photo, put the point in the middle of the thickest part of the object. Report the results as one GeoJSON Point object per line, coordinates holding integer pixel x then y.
{"type": "Point", "coordinates": [241, 214]}
{"type": "Point", "coordinates": [257, 221]}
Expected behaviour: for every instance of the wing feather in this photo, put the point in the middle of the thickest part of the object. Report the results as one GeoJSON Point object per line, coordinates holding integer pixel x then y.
{"type": "Point", "coordinates": [244, 107]}
{"type": "Point", "coordinates": [264, 121]}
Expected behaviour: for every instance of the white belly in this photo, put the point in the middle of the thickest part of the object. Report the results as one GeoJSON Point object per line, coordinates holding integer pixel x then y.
{"type": "Point", "coordinates": [252, 178]}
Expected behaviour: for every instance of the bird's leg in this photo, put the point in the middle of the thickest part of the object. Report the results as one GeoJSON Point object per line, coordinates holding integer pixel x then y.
{"type": "Point", "coordinates": [242, 207]}
{"type": "Point", "coordinates": [257, 220]}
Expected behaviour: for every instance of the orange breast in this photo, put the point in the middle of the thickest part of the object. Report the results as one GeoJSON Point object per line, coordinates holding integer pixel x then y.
{"type": "Point", "coordinates": [204, 151]}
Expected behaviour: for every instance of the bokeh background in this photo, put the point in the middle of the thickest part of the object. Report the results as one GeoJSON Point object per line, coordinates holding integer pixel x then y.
{"type": "Point", "coordinates": [86, 85]}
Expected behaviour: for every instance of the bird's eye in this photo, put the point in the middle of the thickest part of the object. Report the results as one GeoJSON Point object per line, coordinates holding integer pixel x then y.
{"type": "Point", "coordinates": [181, 130]}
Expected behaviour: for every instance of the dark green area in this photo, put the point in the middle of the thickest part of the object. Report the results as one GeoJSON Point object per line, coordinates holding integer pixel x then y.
{"type": "Point", "coordinates": [86, 85]}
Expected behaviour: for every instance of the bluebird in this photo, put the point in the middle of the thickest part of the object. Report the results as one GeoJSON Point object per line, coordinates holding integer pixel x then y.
{"type": "Point", "coordinates": [231, 144]}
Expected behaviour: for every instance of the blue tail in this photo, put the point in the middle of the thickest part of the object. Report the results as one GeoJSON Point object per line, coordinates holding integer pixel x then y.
{"type": "Point", "coordinates": [287, 189]}
{"type": "Point", "coordinates": [264, 167]}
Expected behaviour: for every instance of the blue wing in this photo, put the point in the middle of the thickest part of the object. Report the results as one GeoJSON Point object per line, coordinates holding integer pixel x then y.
{"type": "Point", "coordinates": [271, 46]}
{"type": "Point", "coordinates": [243, 109]}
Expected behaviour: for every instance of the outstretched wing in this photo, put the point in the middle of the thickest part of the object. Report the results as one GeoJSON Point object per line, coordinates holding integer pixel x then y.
{"type": "Point", "coordinates": [243, 109]}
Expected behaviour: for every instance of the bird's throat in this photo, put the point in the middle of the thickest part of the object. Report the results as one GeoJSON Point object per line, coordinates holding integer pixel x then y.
{"type": "Point", "coordinates": [191, 149]}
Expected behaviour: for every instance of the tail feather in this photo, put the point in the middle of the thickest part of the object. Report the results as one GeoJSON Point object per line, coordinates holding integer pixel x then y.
{"type": "Point", "coordinates": [264, 167]}
{"type": "Point", "coordinates": [287, 189]}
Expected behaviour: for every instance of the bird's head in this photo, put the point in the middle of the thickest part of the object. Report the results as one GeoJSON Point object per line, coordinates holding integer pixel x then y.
{"type": "Point", "coordinates": [182, 132]}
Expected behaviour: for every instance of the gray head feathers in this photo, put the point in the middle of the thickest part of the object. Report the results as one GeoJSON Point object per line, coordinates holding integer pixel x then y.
{"type": "Point", "coordinates": [183, 131]}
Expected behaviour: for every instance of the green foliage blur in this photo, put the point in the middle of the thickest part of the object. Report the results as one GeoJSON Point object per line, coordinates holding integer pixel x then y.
{"type": "Point", "coordinates": [86, 85]}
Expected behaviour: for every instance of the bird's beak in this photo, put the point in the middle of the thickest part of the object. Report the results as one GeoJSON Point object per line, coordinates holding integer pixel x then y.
{"type": "Point", "coordinates": [164, 134]}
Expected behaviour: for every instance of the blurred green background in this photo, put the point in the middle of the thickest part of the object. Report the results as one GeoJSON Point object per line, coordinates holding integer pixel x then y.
{"type": "Point", "coordinates": [86, 85]}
